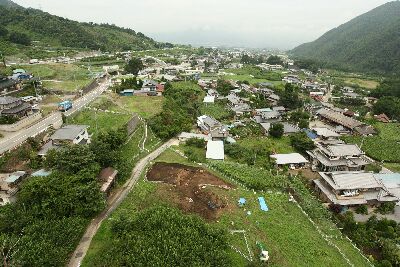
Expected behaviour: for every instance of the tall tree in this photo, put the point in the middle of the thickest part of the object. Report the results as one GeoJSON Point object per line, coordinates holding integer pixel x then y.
{"type": "Point", "coordinates": [134, 66]}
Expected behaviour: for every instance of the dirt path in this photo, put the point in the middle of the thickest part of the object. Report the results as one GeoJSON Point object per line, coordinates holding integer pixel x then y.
{"type": "Point", "coordinates": [113, 203]}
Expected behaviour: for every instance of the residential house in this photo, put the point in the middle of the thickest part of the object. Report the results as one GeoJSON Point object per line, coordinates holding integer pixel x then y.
{"type": "Point", "coordinates": [273, 99]}
{"type": "Point", "coordinates": [350, 124]}
{"type": "Point", "coordinates": [391, 181]}
{"type": "Point", "coordinates": [267, 115]}
{"type": "Point", "coordinates": [68, 134]}
{"type": "Point", "coordinates": [382, 118]}
{"type": "Point", "coordinates": [352, 189]}
{"type": "Point", "coordinates": [208, 124]}
{"type": "Point", "coordinates": [9, 186]}
{"type": "Point", "coordinates": [14, 107]}
{"type": "Point", "coordinates": [149, 86]}
{"type": "Point", "coordinates": [160, 89]}
{"type": "Point", "coordinates": [331, 156]}
{"type": "Point", "coordinates": [325, 133]}
{"type": "Point", "coordinates": [292, 160]}
{"type": "Point", "coordinates": [7, 85]}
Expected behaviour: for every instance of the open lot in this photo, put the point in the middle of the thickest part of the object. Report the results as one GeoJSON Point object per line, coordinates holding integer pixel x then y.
{"type": "Point", "coordinates": [61, 77]}
{"type": "Point", "coordinates": [145, 106]}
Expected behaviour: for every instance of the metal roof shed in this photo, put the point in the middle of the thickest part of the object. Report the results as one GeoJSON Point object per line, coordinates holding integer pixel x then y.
{"type": "Point", "coordinates": [215, 150]}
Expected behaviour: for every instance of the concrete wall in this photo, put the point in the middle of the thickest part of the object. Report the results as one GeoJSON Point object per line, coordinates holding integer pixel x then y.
{"type": "Point", "coordinates": [21, 123]}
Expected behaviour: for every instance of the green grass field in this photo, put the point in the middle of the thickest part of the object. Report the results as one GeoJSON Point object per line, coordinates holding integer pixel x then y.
{"type": "Point", "coordinates": [364, 83]}
{"type": "Point", "coordinates": [217, 110]}
{"type": "Point", "coordinates": [277, 145]}
{"type": "Point", "coordinates": [145, 106]}
{"type": "Point", "coordinates": [383, 147]}
{"type": "Point", "coordinates": [100, 121]}
{"type": "Point", "coordinates": [64, 77]}
{"type": "Point", "coordinates": [290, 238]}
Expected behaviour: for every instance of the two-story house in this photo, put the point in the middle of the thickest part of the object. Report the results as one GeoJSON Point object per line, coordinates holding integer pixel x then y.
{"type": "Point", "coordinates": [67, 135]}
{"type": "Point", "coordinates": [353, 188]}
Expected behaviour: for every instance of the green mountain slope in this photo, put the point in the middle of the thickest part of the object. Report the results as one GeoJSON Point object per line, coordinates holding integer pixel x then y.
{"type": "Point", "coordinates": [23, 26]}
{"type": "Point", "coordinates": [368, 43]}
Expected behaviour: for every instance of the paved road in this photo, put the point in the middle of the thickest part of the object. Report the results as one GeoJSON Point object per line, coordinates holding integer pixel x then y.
{"type": "Point", "coordinates": [54, 118]}
{"type": "Point", "coordinates": [113, 203]}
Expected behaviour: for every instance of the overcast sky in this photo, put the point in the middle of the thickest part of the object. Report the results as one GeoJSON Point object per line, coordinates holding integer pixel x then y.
{"type": "Point", "coordinates": [253, 23]}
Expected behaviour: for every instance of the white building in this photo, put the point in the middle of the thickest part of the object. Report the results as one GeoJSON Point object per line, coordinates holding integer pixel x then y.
{"type": "Point", "coordinates": [215, 150]}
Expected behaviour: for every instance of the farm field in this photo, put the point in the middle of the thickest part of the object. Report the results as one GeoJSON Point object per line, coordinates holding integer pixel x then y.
{"type": "Point", "coordinates": [290, 238]}
{"type": "Point", "coordinates": [383, 147]}
{"type": "Point", "coordinates": [364, 83]}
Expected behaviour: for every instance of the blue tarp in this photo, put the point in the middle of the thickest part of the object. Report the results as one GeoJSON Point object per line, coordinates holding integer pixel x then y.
{"type": "Point", "coordinates": [310, 134]}
{"type": "Point", "coordinates": [242, 201]}
{"type": "Point", "coordinates": [41, 173]}
{"type": "Point", "coordinates": [263, 205]}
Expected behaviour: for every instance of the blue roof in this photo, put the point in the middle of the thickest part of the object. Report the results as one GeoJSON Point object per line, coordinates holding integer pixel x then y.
{"type": "Point", "coordinates": [41, 173]}
{"type": "Point", "coordinates": [242, 200]}
{"type": "Point", "coordinates": [310, 134]}
{"type": "Point", "coordinates": [15, 176]}
{"type": "Point", "coordinates": [263, 205]}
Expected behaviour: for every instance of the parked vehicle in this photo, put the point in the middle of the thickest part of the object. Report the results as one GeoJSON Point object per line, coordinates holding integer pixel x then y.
{"type": "Point", "coordinates": [64, 106]}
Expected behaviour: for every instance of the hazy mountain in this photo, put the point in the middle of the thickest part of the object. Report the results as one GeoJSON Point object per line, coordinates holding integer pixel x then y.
{"type": "Point", "coordinates": [368, 43]}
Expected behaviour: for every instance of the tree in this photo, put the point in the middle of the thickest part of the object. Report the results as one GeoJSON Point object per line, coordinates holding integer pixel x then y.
{"type": "Point", "coordinates": [274, 60]}
{"type": "Point", "coordinates": [186, 241]}
{"type": "Point", "coordinates": [301, 142]}
{"type": "Point", "coordinates": [303, 124]}
{"type": "Point", "coordinates": [290, 98]}
{"type": "Point", "coordinates": [276, 130]}
{"type": "Point", "coordinates": [224, 87]}
{"type": "Point", "coordinates": [20, 38]}
{"type": "Point", "coordinates": [71, 159]}
{"type": "Point", "coordinates": [134, 66]}
{"type": "Point", "coordinates": [3, 31]}
{"type": "Point", "coordinates": [389, 105]}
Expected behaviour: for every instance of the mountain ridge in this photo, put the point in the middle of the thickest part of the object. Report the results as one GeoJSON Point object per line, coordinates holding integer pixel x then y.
{"type": "Point", "coordinates": [52, 30]}
{"type": "Point", "coordinates": [367, 43]}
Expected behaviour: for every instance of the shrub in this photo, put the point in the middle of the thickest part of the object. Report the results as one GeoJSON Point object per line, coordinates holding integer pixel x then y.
{"type": "Point", "coordinates": [386, 208]}
{"type": "Point", "coordinates": [196, 142]}
{"type": "Point", "coordinates": [362, 209]}
{"type": "Point", "coordinates": [276, 130]}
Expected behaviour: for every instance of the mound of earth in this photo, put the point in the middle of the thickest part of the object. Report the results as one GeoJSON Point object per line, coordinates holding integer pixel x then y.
{"type": "Point", "coordinates": [191, 188]}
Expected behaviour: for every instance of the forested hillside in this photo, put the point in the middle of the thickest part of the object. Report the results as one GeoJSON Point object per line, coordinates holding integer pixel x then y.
{"type": "Point", "coordinates": [368, 43]}
{"type": "Point", "coordinates": [26, 26]}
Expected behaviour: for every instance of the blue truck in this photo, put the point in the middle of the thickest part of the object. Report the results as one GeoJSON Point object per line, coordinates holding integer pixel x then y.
{"type": "Point", "coordinates": [64, 106]}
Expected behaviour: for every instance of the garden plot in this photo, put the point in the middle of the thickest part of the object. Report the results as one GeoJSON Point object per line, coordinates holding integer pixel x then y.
{"type": "Point", "coordinates": [191, 188]}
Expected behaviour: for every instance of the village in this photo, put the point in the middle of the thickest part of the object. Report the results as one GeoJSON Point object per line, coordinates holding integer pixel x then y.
{"type": "Point", "coordinates": [256, 110]}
